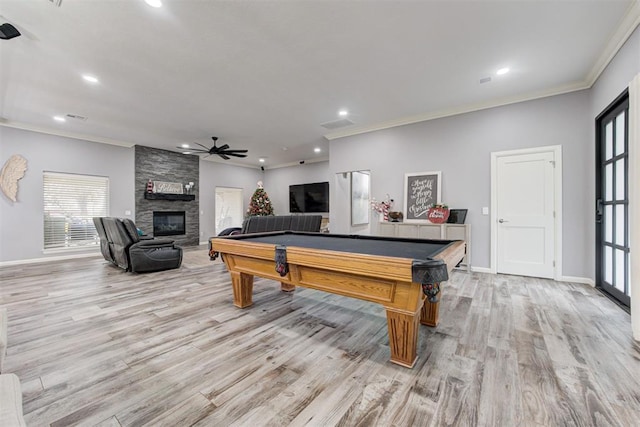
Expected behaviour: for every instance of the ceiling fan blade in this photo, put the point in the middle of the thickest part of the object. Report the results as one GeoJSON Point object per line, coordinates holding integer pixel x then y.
{"type": "Point", "coordinates": [236, 151]}
{"type": "Point", "coordinates": [205, 147]}
{"type": "Point", "coordinates": [236, 155]}
{"type": "Point", "coordinates": [223, 156]}
{"type": "Point", "coordinates": [223, 147]}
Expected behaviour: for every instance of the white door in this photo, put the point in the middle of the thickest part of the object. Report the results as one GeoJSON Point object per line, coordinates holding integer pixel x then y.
{"type": "Point", "coordinates": [229, 212]}
{"type": "Point", "coordinates": [525, 210]}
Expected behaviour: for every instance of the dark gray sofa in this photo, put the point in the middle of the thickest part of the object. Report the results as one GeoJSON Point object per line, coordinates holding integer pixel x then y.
{"type": "Point", "coordinates": [264, 224]}
{"type": "Point", "coordinates": [121, 245]}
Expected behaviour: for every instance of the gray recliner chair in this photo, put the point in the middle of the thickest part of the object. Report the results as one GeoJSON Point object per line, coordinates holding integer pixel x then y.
{"type": "Point", "coordinates": [131, 253]}
{"type": "Point", "coordinates": [105, 247]}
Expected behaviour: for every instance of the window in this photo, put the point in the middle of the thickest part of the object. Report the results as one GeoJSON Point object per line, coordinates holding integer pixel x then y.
{"type": "Point", "coordinates": [70, 203]}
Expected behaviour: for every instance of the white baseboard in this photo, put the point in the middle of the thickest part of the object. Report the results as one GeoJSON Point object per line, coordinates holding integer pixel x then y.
{"type": "Point", "coordinates": [571, 279]}
{"type": "Point", "coordinates": [583, 280]}
{"type": "Point", "coordinates": [48, 259]}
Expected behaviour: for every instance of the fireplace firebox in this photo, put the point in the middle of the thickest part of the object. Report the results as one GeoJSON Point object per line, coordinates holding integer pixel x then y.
{"type": "Point", "coordinates": [168, 223]}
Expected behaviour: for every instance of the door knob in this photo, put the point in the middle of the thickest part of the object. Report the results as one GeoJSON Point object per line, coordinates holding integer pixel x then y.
{"type": "Point", "coordinates": [502, 220]}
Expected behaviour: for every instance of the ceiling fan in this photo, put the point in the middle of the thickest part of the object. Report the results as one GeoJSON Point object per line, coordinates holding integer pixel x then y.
{"type": "Point", "coordinates": [222, 151]}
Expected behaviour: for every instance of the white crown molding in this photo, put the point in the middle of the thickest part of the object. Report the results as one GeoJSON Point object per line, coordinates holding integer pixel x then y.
{"type": "Point", "coordinates": [90, 138]}
{"type": "Point", "coordinates": [266, 168]}
{"type": "Point", "coordinates": [211, 159]}
{"type": "Point", "coordinates": [306, 162]}
{"type": "Point", "coordinates": [469, 108]}
{"type": "Point", "coordinates": [627, 26]}
{"type": "Point", "coordinates": [49, 131]}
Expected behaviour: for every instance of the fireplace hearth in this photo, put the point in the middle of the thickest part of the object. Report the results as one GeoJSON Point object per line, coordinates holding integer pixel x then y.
{"type": "Point", "coordinates": [169, 223]}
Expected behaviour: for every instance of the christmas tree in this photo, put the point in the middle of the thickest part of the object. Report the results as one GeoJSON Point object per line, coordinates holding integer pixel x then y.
{"type": "Point", "coordinates": [260, 204]}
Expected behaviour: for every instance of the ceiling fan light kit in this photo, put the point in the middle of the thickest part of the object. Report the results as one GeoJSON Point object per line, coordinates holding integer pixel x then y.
{"type": "Point", "coordinates": [222, 151]}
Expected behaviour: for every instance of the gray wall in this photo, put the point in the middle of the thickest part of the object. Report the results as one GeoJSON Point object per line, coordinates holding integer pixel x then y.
{"type": "Point", "coordinates": [21, 223]}
{"type": "Point", "coordinates": [615, 78]}
{"type": "Point", "coordinates": [458, 146]}
{"type": "Point", "coordinates": [214, 174]}
{"type": "Point", "coordinates": [277, 182]}
{"type": "Point", "coordinates": [461, 148]}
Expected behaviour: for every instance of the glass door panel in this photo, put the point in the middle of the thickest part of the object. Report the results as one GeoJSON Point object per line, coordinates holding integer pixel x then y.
{"type": "Point", "coordinates": [612, 213]}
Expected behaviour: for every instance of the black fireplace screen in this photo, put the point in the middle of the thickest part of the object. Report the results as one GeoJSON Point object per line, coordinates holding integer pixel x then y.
{"type": "Point", "coordinates": [168, 223]}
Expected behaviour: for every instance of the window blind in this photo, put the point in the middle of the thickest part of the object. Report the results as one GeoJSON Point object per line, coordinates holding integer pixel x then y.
{"type": "Point", "coordinates": [70, 203]}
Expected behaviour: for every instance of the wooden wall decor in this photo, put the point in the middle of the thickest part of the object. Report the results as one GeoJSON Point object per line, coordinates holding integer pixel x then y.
{"type": "Point", "coordinates": [12, 171]}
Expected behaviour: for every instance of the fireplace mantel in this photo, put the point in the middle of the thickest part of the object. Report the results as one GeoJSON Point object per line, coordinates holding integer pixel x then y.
{"type": "Point", "coordinates": [169, 196]}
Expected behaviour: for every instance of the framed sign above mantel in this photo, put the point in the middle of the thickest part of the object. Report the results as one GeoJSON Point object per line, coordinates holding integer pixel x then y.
{"type": "Point", "coordinates": [167, 187]}
{"type": "Point", "coordinates": [421, 190]}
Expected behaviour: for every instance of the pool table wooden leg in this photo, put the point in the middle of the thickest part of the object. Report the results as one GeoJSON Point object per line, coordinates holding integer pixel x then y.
{"type": "Point", "coordinates": [287, 287]}
{"type": "Point", "coordinates": [430, 313]}
{"type": "Point", "coordinates": [242, 289]}
{"type": "Point", "coordinates": [403, 336]}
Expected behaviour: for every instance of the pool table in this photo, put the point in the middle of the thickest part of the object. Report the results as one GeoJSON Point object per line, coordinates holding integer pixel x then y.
{"type": "Point", "coordinates": [376, 269]}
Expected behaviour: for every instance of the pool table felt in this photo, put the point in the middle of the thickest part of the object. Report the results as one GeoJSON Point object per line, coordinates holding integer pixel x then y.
{"type": "Point", "coordinates": [402, 248]}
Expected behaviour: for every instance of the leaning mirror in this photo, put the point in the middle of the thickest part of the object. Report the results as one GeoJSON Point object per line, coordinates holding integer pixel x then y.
{"type": "Point", "coordinates": [360, 197]}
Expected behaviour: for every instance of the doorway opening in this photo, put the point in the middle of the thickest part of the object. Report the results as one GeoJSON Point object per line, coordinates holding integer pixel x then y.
{"type": "Point", "coordinates": [229, 208]}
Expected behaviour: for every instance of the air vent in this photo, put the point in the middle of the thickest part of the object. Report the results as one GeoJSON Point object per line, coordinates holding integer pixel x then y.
{"type": "Point", "coordinates": [335, 124]}
{"type": "Point", "coordinates": [76, 117]}
{"type": "Point", "coordinates": [56, 3]}
{"type": "Point", "coordinates": [485, 80]}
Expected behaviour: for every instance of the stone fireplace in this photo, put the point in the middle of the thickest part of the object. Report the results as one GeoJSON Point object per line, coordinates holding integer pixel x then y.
{"type": "Point", "coordinates": [168, 166]}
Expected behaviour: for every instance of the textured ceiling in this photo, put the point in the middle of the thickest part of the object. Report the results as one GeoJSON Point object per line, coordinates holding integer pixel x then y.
{"type": "Point", "coordinates": [264, 75]}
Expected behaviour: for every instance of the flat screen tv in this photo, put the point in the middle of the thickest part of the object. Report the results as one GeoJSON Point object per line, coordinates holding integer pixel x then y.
{"type": "Point", "coordinates": [305, 198]}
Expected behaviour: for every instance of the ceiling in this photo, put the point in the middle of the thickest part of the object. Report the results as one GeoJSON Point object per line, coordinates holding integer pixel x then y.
{"type": "Point", "coordinates": [264, 75]}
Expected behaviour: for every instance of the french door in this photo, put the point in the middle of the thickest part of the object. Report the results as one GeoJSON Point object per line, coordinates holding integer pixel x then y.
{"type": "Point", "coordinates": [612, 200]}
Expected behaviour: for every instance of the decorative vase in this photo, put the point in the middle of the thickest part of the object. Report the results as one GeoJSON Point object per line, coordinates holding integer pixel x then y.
{"type": "Point", "coordinates": [395, 216]}
{"type": "Point", "coordinates": [438, 215]}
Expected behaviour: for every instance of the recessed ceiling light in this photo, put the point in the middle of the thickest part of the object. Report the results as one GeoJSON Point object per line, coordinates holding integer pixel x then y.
{"type": "Point", "coordinates": [59, 119]}
{"type": "Point", "coordinates": [502, 71]}
{"type": "Point", "coordinates": [90, 79]}
{"type": "Point", "coordinates": [154, 3]}
{"type": "Point", "coordinates": [261, 160]}
{"type": "Point", "coordinates": [343, 113]}
{"type": "Point", "coordinates": [317, 149]}
{"type": "Point", "coordinates": [185, 145]}
{"type": "Point", "coordinates": [186, 152]}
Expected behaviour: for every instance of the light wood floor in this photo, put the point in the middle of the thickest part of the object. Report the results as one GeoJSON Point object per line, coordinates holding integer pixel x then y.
{"type": "Point", "coordinates": [94, 345]}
